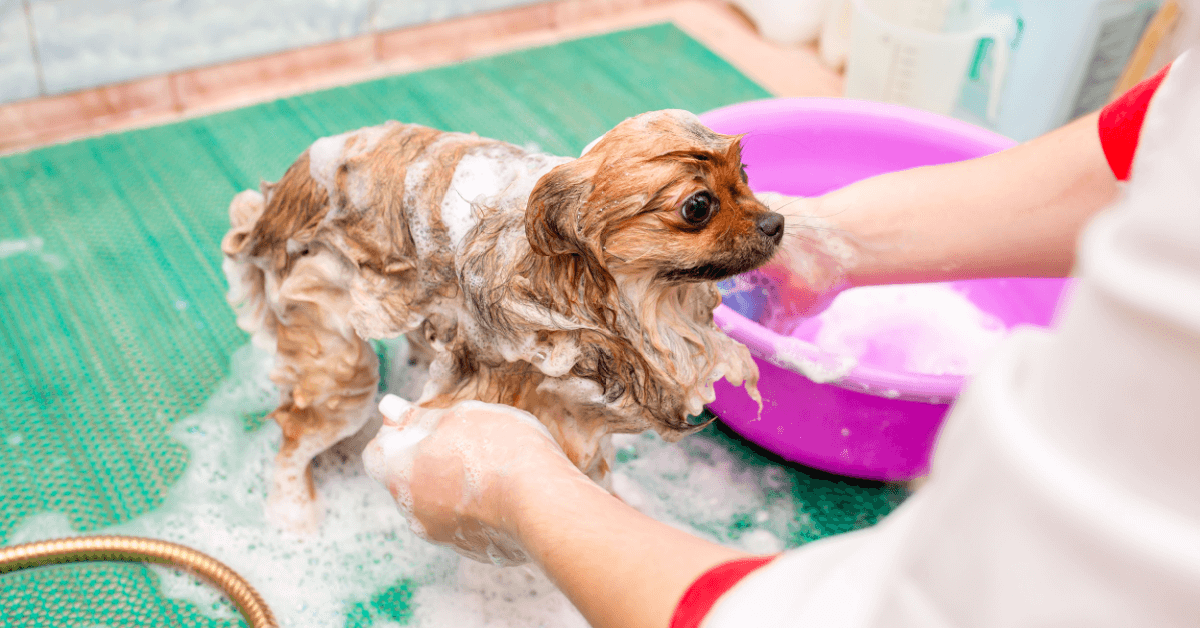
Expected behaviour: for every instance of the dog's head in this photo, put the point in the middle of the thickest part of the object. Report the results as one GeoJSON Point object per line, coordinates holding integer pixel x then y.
{"type": "Point", "coordinates": [660, 194]}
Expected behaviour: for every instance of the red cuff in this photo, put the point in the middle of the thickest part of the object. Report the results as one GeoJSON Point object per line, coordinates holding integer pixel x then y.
{"type": "Point", "coordinates": [710, 586]}
{"type": "Point", "coordinates": [1121, 124]}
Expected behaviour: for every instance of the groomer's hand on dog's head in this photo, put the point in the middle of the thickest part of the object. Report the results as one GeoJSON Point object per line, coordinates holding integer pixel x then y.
{"type": "Point", "coordinates": [660, 196]}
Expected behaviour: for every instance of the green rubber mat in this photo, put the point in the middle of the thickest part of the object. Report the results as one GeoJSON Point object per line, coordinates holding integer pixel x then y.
{"type": "Point", "coordinates": [114, 327]}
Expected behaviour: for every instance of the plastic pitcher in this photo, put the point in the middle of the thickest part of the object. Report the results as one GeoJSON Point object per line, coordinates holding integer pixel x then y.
{"type": "Point", "coordinates": [905, 58]}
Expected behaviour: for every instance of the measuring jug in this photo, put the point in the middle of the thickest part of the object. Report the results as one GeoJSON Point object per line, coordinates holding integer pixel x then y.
{"type": "Point", "coordinates": [906, 58]}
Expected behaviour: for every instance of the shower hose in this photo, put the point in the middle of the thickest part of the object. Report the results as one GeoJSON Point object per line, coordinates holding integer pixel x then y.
{"type": "Point", "coordinates": [136, 549]}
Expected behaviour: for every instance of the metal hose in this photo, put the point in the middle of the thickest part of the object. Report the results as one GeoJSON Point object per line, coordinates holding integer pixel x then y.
{"type": "Point", "coordinates": [137, 549]}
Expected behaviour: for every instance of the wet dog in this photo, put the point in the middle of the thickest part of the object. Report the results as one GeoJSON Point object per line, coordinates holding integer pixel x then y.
{"type": "Point", "coordinates": [580, 290]}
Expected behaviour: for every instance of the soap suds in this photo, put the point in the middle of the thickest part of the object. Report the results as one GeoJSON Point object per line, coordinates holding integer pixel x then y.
{"type": "Point", "coordinates": [479, 176]}
{"type": "Point", "coordinates": [922, 328]}
{"type": "Point", "coordinates": [698, 486]}
{"type": "Point", "coordinates": [488, 175]}
{"type": "Point", "coordinates": [324, 156]}
{"type": "Point", "coordinates": [327, 155]}
{"type": "Point", "coordinates": [819, 366]}
{"type": "Point", "coordinates": [180, 585]}
{"type": "Point", "coordinates": [364, 546]}
{"type": "Point", "coordinates": [418, 224]}
{"type": "Point", "coordinates": [928, 329]}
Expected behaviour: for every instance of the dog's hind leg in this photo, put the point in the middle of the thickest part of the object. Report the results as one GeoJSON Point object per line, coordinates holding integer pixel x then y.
{"type": "Point", "coordinates": [329, 377]}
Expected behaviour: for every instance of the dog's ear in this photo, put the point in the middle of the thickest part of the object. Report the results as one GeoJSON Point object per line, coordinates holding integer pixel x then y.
{"type": "Point", "coordinates": [553, 222]}
{"type": "Point", "coordinates": [565, 239]}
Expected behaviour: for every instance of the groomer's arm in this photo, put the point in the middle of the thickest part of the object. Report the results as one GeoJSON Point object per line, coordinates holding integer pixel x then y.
{"type": "Point", "coordinates": [1014, 213]}
{"type": "Point", "coordinates": [480, 474]}
{"type": "Point", "coordinates": [618, 566]}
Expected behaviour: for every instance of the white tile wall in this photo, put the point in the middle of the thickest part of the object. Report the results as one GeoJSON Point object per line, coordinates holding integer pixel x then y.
{"type": "Point", "coordinates": [391, 14]}
{"type": "Point", "coordinates": [18, 72]}
{"type": "Point", "coordinates": [87, 43]}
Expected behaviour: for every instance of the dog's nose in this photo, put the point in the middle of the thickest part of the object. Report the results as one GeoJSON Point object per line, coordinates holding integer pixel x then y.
{"type": "Point", "coordinates": [771, 225]}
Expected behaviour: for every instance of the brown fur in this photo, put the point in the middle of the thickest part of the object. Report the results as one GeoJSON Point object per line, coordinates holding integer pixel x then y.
{"type": "Point", "coordinates": [585, 298]}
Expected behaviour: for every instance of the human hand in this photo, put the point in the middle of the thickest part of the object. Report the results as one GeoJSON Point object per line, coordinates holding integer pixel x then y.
{"type": "Point", "coordinates": [455, 472]}
{"type": "Point", "coordinates": [810, 268]}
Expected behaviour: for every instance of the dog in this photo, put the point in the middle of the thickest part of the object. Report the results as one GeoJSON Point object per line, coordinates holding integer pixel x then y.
{"type": "Point", "coordinates": [580, 290]}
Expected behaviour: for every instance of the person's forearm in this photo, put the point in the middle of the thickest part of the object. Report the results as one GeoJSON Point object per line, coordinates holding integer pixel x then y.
{"type": "Point", "coordinates": [619, 567]}
{"type": "Point", "coordinates": [1013, 213]}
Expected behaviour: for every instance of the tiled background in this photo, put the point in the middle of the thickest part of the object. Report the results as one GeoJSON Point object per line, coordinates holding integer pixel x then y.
{"type": "Point", "coordinates": [18, 73]}
{"type": "Point", "coordinates": [111, 64]}
{"type": "Point", "coordinates": [50, 47]}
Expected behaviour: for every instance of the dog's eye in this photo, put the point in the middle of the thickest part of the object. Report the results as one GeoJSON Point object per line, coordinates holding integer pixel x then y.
{"type": "Point", "coordinates": [699, 207]}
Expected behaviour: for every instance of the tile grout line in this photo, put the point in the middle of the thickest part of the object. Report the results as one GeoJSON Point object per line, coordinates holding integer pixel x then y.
{"type": "Point", "coordinates": [33, 49]}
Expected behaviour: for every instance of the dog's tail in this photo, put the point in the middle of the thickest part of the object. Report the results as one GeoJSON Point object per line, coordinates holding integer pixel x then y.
{"type": "Point", "coordinates": [247, 281]}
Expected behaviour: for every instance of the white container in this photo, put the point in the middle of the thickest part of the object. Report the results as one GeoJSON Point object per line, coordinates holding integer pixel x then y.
{"type": "Point", "coordinates": [897, 56]}
{"type": "Point", "coordinates": [1065, 62]}
{"type": "Point", "coordinates": [786, 22]}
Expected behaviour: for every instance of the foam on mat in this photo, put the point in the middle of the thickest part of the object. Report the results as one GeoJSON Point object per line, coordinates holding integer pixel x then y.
{"type": "Point", "coordinates": [364, 545]}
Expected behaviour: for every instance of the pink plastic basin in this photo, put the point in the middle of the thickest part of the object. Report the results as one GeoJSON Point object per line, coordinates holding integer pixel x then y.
{"type": "Point", "coordinates": [875, 422]}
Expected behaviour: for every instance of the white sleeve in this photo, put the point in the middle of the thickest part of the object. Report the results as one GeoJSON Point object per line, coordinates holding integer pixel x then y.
{"type": "Point", "coordinates": [1065, 489]}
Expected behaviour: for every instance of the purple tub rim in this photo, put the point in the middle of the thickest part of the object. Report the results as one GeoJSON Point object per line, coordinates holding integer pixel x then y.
{"type": "Point", "coordinates": [868, 109]}
{"type": "Point", "coordinates": [936, 389]}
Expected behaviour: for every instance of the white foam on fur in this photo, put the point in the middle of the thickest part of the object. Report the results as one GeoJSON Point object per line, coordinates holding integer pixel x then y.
{"type": "Point", "coordinates": [324, 157]}
{"type": "Point", "coordinates": [489, 175]}
{"type": "Point", "coordinates": [328, 154]}
{"type": "Point", "coordinates": [479, 176]}
{"type": "Point", "coordinates": [418, 224]}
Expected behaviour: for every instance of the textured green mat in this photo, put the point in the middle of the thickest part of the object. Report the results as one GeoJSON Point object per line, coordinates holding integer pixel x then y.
{"type": "Point", "coordinates": [113, 323]}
